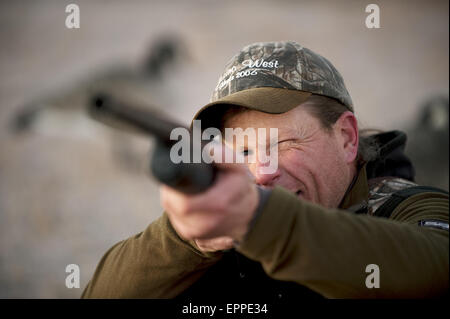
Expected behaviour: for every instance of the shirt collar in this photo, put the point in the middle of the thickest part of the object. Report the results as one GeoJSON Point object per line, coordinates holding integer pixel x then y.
{"type": "Point", "coordinates": [358, 191]}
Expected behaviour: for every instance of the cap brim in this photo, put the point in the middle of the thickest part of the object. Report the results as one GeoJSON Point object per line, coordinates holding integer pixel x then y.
{"type": "Point", "coordinates": [263, 99]}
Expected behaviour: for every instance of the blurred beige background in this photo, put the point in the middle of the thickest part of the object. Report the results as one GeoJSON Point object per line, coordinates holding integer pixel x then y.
{"type": "Point", "coordinates": [71, 188]}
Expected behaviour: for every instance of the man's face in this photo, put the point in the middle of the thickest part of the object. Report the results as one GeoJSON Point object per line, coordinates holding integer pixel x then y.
{"type": "Point", "coordinates": [316, 164]}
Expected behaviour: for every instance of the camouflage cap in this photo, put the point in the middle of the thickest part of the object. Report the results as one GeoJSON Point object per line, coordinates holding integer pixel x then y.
{"type": "Point", "coordinates": [275, 77]}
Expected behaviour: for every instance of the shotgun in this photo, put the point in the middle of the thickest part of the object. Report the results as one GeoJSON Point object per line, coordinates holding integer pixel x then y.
{"type": "Point", "coordinates": [189, 178]}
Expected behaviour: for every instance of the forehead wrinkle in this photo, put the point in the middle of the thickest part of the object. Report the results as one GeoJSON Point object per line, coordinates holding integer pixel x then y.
{"type": "Point", "coordinates": [294, 123]}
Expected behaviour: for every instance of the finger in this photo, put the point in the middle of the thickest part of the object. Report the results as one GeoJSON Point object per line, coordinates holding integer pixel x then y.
{"type": "Point", "coordinates": [173, 200]}
{"type": "Point", "coordinates": [180, 205]}
{"type": "Point", "coordinates": [222, 190]}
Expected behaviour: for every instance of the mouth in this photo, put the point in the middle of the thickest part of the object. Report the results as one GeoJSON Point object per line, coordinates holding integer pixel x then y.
{"type": "Point", "coordinates": [299, 193]}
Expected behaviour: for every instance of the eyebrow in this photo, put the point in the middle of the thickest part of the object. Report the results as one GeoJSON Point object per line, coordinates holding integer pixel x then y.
{"type": "Point", "coordinates": [287, 130]}
{"type": "Point", "coordinates": [291, 132]}
{"type": "Point", "coordinates": [283, 133]}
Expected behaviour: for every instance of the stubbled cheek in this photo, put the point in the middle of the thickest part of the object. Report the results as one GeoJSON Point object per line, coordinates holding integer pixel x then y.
{"type": "Point", "coordinates": [293, 165]}
{"type": "Point", "coordinates": [290, 157]}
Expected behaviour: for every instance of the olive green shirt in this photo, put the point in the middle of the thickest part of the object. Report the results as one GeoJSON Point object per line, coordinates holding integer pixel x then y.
{"type": "Point", "coordinates": [326, 250]}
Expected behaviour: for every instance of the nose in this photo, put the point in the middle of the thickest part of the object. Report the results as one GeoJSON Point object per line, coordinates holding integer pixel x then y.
{"type": "Point", "coordinates": [264, 177]}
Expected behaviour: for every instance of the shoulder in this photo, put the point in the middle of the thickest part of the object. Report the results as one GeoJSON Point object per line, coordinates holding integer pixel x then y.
{"type": "Point", "coordinates": [381, 190]}
{"type": "Point", "coordinates": [427, 208]}
{"type": "Point", "coordinates": [402, 200]}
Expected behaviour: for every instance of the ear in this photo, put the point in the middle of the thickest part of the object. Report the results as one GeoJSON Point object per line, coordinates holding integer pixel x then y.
{"type": "Point", "coordinates": [346, 128]}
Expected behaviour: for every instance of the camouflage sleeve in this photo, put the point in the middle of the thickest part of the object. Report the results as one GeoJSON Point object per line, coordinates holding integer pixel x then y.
{"type": "Point", "coordinates": [156, 263]}
{"type": "Point", "coordinates": [328, 250]}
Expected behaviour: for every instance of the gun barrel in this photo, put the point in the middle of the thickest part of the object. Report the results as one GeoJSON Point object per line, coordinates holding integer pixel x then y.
{"type": "Point", "coordinates": [113, 112]}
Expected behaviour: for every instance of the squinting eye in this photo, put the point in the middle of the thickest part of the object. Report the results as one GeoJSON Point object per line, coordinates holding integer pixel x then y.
{"type": "Point", "coordinates": [246, 152]}
{"type": "Point", "coordinates": [284, 143]}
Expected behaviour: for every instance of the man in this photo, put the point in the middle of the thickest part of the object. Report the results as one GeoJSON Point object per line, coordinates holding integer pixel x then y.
{"type": "Point", "coordinates": [340, 216]}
